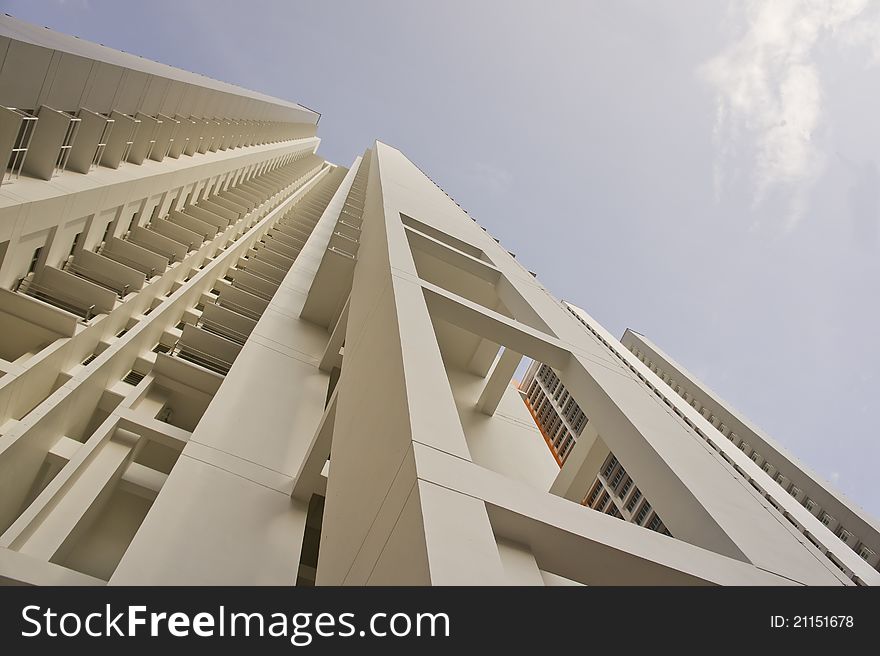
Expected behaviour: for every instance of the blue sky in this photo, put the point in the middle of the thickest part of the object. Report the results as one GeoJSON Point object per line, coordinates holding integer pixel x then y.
{"type": "Point", "coordinates": [703, 172]}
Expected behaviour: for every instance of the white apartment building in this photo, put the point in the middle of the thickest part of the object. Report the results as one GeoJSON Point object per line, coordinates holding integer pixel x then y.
{"type": "Point", "coordinates": [224, 360]}
{"type": "Point", "coordinates": [850, 523]}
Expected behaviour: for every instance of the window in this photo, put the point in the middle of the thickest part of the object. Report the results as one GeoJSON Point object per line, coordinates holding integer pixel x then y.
{"type": "Point", "coordinates": [655, 523]}
{"type": "Point", "coordinates": [865, 553]}
{"type": "Point", "coordinates": [643, 512]}
{"type": "Point", "coordinates": [843, 534]}
{"type": "Point", "coordinates": [754, 456]}
{"type": "Point", "coordinates": [766, 467]}
{"type": "Point", "coordinates": [35, 259]}
{"type": "Point", "coordinates": [626, 486]}
{"type": "Point", "coordinates": [612, 463]}
{"type": "Point", "coordinates": [617, 478]}
{"type": "Point", "coordinates": [74, 244]}
{"type": "Point", "coordinates": [595, 493]}
{"type": "Point", "coordinates": [809, 504]}
{"type": "Point", "coordinates": [795, 491]}
{"type": "Point", "coordinates": [566, 446]}
{"type": "Point", "coordinates": [826, 519]}
{"type": "Point", "coordinates": [107, 231]}
{"type": "Point", "coordinates": [634, 499]}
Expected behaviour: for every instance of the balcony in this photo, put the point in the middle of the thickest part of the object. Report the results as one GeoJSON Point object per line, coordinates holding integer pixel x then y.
{"type": "Point", "coordinates": [105, 272]}
{"type": "Point", "coordinates": [227, 323]}
{"type": "Point", "coordinates": [207, 350]}
{"type": "Point", "coordinates": [29, 327]}
{"type": "Point", "coordinates": [68, 292]}
{"type": "Point", "coordinates": [16, 130]}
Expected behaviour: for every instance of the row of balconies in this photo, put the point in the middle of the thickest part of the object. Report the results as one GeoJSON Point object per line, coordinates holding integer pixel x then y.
{"type": "Point", "coordinates": [865, 551]}
{"type": "Point", "coordinates": [218, 327]}
{"type": "Point", "coordinates": [68, 504]}
{"type": "Point", "coordinates": [333, 279]}
{"type": "Point", "coordinates": [89, 284]}
{"type": "Point", "coordinates": [46, 142]}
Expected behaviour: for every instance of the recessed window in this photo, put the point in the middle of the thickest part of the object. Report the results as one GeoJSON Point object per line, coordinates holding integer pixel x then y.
{"type": "Point", "coordinates": [73, 246]}
{"type": "Point", "coordinates": [634, 499]}
{"type": "Point", "coordinates": [643, 512]}
{"type": "Point", "coordinates": [595, 493]}
{"type": "Point", "coordinates": [609, 467]}
{"type": "Point", "coordinates": [35, 259]}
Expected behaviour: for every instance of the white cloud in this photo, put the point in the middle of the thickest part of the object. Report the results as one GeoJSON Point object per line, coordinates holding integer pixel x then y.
{"type": "Point", "coordinates": [81, 4]}
{"type": "Point", "coordinates": [768, 88]}
{"type": "Point", "coordinates": [492, 178]}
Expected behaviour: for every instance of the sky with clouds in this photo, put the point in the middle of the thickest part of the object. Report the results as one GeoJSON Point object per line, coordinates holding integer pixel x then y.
{"type": "Point", "coordinates": [703, 172]}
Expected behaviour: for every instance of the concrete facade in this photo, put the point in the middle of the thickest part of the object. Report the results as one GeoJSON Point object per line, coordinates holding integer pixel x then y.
{"type": "Point", "coordinates": [852, 525]}
{"type": "Point", "coordinates": [227, 361]}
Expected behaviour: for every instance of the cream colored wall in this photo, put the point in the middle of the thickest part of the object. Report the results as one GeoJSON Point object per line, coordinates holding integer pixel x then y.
{"type": "Point", "coordinates": [236, 472]}
{"type": "Point", "coordinates": [28, 437]}
{"type": "Point", "coordinates": [825, 498]}
{"type": "Point", "coordinates": [436, 472]}
{"type": "Point", "coordinates": [394, 331]}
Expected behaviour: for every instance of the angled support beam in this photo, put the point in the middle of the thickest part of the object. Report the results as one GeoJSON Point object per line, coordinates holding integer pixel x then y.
{"type": "Point", "coordinates": [552, 528]}
{"type": "Point", "coordinates": [495, 326]}
{"type": "Point", "coordinates": [331, 357]}
{"type": "Point", "coordinates": [308, 477]}
{"type": "Point", "coordinates": [498, 381]}
{"type": "Point", "coordinates": [483, 358]}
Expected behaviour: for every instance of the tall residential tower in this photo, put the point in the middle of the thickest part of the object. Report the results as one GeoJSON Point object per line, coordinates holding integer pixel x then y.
{"type": "Point", "coordinates": [225, 360]}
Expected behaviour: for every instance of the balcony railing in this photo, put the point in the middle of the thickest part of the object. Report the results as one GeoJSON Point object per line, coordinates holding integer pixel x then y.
{"type": "Point", "coordinates": [202, 359]}
{"type": "Point", "coordinates": [20, 147]}
{"type": "Point", "coordinates": [98, 278]}
{"type": "Point", "coordinates": [223, 331]}
{"type": "Point", "coordinates": [239, 309]}
{"type": "Point", "coordinates": [127, 261]}
{"type": "Point", "coordinates": [56, 298]}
